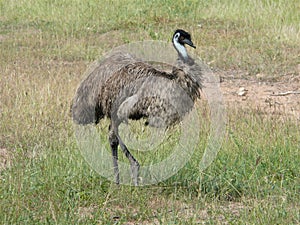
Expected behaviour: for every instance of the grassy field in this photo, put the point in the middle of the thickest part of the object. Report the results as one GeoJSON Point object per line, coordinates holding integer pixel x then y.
{"type": "Point", "coordinates": [46, 46]}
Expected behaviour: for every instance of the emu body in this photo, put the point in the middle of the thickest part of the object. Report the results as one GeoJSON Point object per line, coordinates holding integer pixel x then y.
{"type": "Point", "coordinates": [122, 88]}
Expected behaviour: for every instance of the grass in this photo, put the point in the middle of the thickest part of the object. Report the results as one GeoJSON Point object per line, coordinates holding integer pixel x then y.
{"type": "Point", "coordinates": [45, 48]}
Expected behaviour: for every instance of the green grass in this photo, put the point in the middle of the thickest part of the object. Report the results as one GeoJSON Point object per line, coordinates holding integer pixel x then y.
{"type": "Point", "coordinates": [46, 47]}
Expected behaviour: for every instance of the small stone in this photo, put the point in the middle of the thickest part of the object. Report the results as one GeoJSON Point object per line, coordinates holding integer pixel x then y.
{"type": "Point", "coordinates": [260, 76]}
{"type": "Point", "coordinates": [242, 91]}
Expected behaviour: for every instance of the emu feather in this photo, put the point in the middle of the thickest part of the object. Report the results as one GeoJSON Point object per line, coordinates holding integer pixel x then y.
{"type": "Point", "coordinates": [122, 87]}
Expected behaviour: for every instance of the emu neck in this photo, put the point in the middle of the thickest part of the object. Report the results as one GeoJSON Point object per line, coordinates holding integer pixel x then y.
{"type": "Point", "coordinates": [182, 53]}
{"type": "Point", "coordinates": [186, 59]}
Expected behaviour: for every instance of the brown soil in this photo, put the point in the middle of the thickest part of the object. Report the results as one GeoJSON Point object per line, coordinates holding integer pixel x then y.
{"type": "Point", "coordinates": [281, 97]}
{"type": "Point", "coordinates": [5, 158]}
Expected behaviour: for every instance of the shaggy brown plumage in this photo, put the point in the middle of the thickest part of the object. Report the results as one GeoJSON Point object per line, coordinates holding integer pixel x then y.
{"type": "Point", "coordinates": [122, 87]}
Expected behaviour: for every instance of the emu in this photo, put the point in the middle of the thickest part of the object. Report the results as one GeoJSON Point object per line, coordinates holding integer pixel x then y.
{"type": "Point", "coordinates": [123, 87]}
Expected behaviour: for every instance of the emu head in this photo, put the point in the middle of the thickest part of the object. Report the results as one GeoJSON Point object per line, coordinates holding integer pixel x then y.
{"type": "Point", "coordinates": [180, 38]}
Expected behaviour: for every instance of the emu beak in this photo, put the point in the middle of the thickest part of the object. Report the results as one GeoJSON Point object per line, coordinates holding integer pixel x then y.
{"type": "Point", "coordinates": [188, 42]}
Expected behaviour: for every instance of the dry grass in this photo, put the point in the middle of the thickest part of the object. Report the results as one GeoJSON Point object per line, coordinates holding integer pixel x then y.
{"type": "Point", "coordinates": [45, 49]}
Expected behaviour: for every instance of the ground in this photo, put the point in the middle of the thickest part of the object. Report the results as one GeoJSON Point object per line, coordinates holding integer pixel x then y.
{"type": "Point", "coordinates": [280, 97]}
{"type": "Point", "coordinates": [46, 46]}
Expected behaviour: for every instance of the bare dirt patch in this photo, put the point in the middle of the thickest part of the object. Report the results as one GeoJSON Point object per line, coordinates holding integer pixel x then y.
{"type": "Point", "coordinates": [2, 38]}
{"type": "Point", "coordinates": [5, 158]}
{"type": "Point", "coordinates": [281, 97]}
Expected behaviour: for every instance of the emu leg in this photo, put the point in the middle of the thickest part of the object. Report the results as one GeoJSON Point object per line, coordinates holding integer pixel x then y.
{"type": "Point", "coordinates": [135, 166]}
{"type": "Point", "coordinates": [113, 141]}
